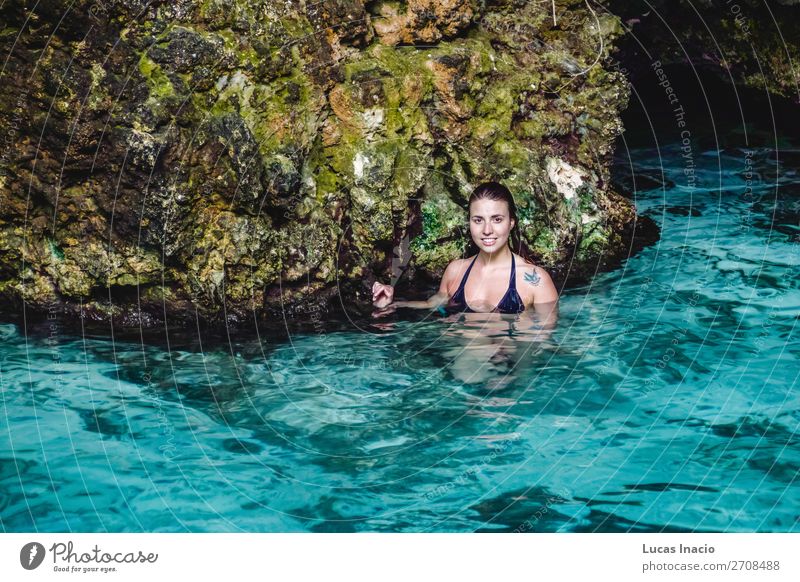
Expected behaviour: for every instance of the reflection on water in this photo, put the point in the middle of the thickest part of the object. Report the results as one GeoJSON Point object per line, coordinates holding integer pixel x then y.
{"type": "Point", "coordinates": [662, 396]}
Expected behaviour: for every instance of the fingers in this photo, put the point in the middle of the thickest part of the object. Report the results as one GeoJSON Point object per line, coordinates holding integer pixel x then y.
{"type": "Point", "coordinates": [379, 289]}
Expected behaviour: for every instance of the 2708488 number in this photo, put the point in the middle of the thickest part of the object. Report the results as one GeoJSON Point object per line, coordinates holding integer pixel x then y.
{"type": "Point", "coordinates": [756, 565]}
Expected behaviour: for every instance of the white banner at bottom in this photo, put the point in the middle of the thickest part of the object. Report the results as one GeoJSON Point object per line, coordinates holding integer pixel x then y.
{"type": "Point", "coordinates": [401, 557]}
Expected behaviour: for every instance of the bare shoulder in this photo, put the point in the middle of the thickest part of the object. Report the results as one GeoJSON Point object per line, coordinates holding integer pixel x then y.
{"type": "Point", "coordinates": [535, 282]}
{"type": "Point", "coordinates": [530, 273]}
{"type": "Point", "coordinates": [456, 268]}
{"type": "Point", "coordinates": [449, 277]}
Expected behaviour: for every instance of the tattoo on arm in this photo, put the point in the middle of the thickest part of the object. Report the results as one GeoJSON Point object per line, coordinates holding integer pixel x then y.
{"type": "Point", "coordinates": [533, 278]}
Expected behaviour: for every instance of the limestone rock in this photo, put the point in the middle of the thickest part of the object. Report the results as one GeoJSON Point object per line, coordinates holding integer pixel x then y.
{"type": "Point", "coordinates": [236, 158]}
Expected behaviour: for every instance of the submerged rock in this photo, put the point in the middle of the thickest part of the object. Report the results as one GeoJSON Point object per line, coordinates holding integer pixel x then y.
{"type": "Point", "coordinates": [240, 158]}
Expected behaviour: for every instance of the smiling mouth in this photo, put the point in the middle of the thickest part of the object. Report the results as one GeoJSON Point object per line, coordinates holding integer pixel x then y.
{"type": "Point", "coordinates": [489, 241]}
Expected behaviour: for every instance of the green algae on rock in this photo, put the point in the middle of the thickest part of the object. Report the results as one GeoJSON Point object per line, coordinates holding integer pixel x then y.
{"type": "Point", "coordinates": [236, 158]}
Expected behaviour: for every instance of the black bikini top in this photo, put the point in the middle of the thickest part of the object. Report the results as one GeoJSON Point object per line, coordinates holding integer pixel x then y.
{"type": "Point", "coordinates": [510, 303]}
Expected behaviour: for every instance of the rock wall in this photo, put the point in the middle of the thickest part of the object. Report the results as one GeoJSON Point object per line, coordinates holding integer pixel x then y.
{"type": "Point", "coordinates": [240, 158]}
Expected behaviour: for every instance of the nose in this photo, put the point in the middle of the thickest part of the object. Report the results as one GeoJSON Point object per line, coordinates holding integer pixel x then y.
{"type": "Point", "coordinates": [487, 228]}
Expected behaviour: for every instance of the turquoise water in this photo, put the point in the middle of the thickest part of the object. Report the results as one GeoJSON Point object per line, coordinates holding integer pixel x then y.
{"type": "Point", "coordinates": [665, 399]}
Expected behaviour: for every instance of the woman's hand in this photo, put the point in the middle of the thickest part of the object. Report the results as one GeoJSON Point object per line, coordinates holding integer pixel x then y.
{"type": "Point", "coordinates": [382, 295]}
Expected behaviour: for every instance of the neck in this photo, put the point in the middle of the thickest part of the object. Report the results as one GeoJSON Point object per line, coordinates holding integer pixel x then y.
{"type": "Point", "coordinates": [498, 257]}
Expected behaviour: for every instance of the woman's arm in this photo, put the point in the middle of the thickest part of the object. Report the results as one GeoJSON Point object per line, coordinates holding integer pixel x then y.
{"type": "Point", "coordinates": [541, 296]}
{"type": "Point", "coordinates": [440, 298]}
{"type": "Point", "coordinates": [383, 295]}
{"type": "Point", "coordinates": [432, 302]}
{"type": "Point", "coordinates": [538, 286]}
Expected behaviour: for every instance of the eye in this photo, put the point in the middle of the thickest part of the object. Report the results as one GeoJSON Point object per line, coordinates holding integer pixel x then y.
{"type": "Point", "coordinates": [476, 219]}
{"type": "Point", "coordinates": [498, 219]}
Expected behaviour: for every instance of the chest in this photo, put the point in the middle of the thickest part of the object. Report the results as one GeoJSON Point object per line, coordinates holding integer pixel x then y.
{"type": "Point", "coordinates": [484, 290]}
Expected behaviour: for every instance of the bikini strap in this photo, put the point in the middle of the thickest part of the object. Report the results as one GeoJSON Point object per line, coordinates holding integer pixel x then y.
{"type": "Point", "coordinates": [466, 275]}
{"type": "Point", "coordinates": [512, 284]}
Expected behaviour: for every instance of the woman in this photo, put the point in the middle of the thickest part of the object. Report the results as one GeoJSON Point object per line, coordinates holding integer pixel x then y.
{"type": "Point", "coordinates": [496, 279]}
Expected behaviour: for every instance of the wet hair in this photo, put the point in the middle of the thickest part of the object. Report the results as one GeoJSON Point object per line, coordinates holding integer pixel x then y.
{"type": "Point", "coordinates": [496, 191]}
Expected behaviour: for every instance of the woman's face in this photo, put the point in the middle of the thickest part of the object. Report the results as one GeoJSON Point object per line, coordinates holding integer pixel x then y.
{"type": "Point", "coordinates": [490, 224]}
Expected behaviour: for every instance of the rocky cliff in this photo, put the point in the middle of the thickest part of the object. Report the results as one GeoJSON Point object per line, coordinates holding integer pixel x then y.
{"type": "Point", "coordinates": [241, 158]}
